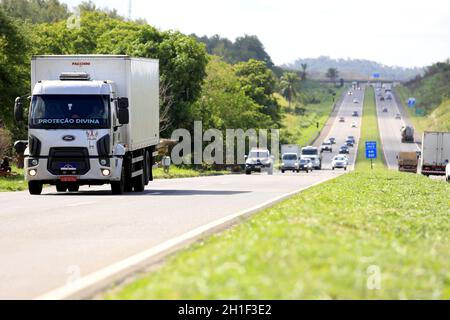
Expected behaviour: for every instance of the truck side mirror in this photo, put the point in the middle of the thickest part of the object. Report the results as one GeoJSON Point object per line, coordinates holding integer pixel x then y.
{"type": "Point", "coordinates": [18, 109]}
{"type": "Point", "coordinates": [123, 103]}
{"type": "Point", "coordinates": [123, 116]}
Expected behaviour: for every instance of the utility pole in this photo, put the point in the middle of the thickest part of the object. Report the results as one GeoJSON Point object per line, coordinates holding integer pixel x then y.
{"type": "Point", "coordinates": [129, 10]}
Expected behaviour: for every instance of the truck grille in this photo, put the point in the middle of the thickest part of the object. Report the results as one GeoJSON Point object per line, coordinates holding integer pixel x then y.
{"type": "Point", "coordinates": [64, 161]}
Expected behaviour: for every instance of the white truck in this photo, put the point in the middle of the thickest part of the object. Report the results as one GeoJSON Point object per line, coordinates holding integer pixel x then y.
{"type": "Point", "coordinates": [435, 153]}
{"type": "Point", "coordinates": [313, 154]}
{"type": "Point", "coordinates": [92, 120]}
{"type": "Point", "coordinates": [290, 157]}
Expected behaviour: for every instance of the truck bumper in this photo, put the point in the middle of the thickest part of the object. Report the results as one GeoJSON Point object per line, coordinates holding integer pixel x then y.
{"type": "Point", "coordinates": [94, 176]}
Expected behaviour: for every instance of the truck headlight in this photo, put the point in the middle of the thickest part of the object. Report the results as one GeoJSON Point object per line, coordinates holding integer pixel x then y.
{"type": "Point", "coordinates": [103, 162]}
{"type": "Point", "coordinates": [106, 172]}
{"type": "Point", "coordinates": [32, 172]}
{"type": "Point", "coordinates": [33, 162]}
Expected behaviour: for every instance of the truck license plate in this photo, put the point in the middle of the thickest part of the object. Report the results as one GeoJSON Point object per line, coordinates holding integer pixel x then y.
{"type": "Point", "coordinates": [68, 179]}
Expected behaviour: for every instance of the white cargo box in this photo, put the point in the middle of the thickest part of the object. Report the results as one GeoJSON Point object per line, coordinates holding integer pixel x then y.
{"type": "Point", "coordinates": [435, 148]}
{"type": "Point", "coordinates": [135, 78]}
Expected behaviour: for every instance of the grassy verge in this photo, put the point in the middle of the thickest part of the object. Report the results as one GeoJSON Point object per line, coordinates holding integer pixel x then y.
{"type": "Point", "coordinates": [13, 183]}
{"type": "Point", "coordinates": [369, 132]}
{"type": "Point", "coordinates": [323, 243]}
{"type": "Point", "coordinates": [419, 122]}
{"type": "Point", "coordinates": [300, 129]}
{"type": "Point", "coordinates": [437, 120]}
{"type": "Point", "coordinates": [176, 172]}
{"type": "Point", "coordinates": [354, 237]}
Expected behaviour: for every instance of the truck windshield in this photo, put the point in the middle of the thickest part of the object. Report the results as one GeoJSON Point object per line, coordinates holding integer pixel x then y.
{"type": "Point", "coordinates": [259, 154]}
{"type": "Point", "coordinates": [69, 112]}
{"type": "Point", "coordinates": [310, 152]}
{"type": "Point", "coordinates": [289, 156]}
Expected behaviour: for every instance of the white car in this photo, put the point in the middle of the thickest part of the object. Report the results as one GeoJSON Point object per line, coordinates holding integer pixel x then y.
{"type": "Point", "coordinates": [339, 161]}
{"type": "Point", "coordinates": [259, 160]}
{"type": "Point", "coordinates": [447, 172]}
{"type": "Point", "coordinates": [354, 124]}
{"type": "Point", "coordinates": [355, 101]}
{"type": "Point", "coordinates": [290, 161]}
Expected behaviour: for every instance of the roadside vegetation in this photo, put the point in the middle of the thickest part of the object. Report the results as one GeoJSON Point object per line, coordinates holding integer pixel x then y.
{"type": "Point", "coordinates": [328, 242]}
{"type": "Point", "coordinates": [15, 182]}
{"type": "Point", "coordinates": [369, 132]}
{"type": "Point", "coordinates": [354, 237]}
{"type": "Point", "coordinates": [432, 92]}
{"type": "Point", "coordinates": [178, 172]}
{"type": "Point", "coordinates": [311, 109]}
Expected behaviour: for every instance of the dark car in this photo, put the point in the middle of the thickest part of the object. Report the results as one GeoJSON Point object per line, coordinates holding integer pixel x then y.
{"type": "Point", "coordinates": [381, 98]}
{"type": "Point", "coordinates": [351, 138]}
{"type": "Point", "coordinates": [389, 97]}
{"type": "Point", "coordinates": [355, 114]}
{"type": "Point", "coordinates": [344, 149]}
{"type": "Point", "coordinates": [305, 165]}
{"type": "Point", "coordinates": [332, 140]}
{"type": "Point", "coordinates": [349, 142]}
{"type": "Point", "coordinates": [385, 110]}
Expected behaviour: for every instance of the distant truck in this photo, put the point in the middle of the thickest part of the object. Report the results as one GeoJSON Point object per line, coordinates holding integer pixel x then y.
{"type": "Point", "coordinates": [290, 157]}
{"type": "Point", "coordinates": [313, 154]}
{"type": "Point", "coordinates": [435, 153]}
{"type": "Point", "coordinates": [407, 134]}
{"type": "Point", "coordinates": [93, 120]}
{"type": "Point", "coordinates": [408, 161]}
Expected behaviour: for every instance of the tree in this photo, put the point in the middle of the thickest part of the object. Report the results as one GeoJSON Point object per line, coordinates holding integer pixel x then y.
{"type": "Point", "coordinates": [304, 66]}
{"type": "Point", "coordinates": [287, 83]}
{"type": "Point", "coordinates": [332, 74]}
{"type": "Point", "coordinates": [182, 60]}
{"type": "Point", "coordinates": [241, 50]}
{"type": "Point", "coordinates": [35, 11]}
{"type": "Point", "coordinates": [258, 82]}
{"type": "Point", "coordinates": [13, 69]}
{"type": "Point", "coordinates": [222, 103]}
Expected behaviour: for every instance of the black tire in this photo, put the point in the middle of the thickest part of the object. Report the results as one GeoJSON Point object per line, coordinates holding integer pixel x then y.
{"type": "Point", "coordinates": [248, 172]}
{"type": "Point", "coordinates": [345, 168]}
{"type": "Point", "coordinates": [34, 187]}
{"type": "Point", "coordinates": [147, 167]}
{"type": "Point", "coordinates": [118, 187]}
{"type": "Point", "coordinates": [139, 183]}
{"type": "Point", "coordinates": [298, 171]}
{"type": "Point", "coordinates": [333, 168]}
{"type": "Point", "coordinates": [282, 171]}
{"type": "Point", "coordinates": [73, 188]}
{"type": "Point", "coordinates": [61, 188]}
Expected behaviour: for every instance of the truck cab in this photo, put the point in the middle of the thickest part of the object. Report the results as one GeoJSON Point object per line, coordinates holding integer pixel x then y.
{"type": "Point", "coordinates": [313, 154]}
{"type": "Point", "coordinates": [79, 128]}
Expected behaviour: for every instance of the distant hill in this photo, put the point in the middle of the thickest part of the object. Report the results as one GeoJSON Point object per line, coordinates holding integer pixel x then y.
{"type": "Point", "coordinates": [353, 69]}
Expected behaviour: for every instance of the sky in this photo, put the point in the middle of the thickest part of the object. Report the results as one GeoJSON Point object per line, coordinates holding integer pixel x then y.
{"type": "Point", "coordinates": [403, 33]}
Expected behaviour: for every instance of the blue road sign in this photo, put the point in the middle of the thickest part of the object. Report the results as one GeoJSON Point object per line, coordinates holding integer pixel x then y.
{"type": "Point", "coordinates": [376, 75]}
{"type": "Point", "coordinates": [411, 102]}
{"type": "Point", "coordinates": [371, 149]}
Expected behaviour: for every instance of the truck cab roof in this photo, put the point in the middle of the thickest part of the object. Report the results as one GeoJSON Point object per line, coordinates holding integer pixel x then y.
{"type": "Point", "coordinates": [72, 87]}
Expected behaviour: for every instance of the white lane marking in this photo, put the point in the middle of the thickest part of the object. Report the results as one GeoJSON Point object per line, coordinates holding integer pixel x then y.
{"type": "Point", "coordinates": [80, 204]}
{"type": "Point", "coordinates": [89, 281]}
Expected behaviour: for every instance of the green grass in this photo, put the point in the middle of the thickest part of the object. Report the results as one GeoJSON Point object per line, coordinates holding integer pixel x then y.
{"type": "Point", "coordinates": [319, 245]}
{"type": "Point", "coordinates": [13, 183]}
{"type": "Point", "coordinates": [177, 172]}
{"type": "Point", "coordinates": [301, 129]}
{"type": "Point", "coordinates": [437, 119]}
{"type": "Point", "coordinates": [369, 132]}
{"type": "Point", "coordinates": [322, 244]}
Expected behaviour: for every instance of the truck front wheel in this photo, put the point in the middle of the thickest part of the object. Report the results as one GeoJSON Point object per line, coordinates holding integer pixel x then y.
{"type": "Point", "coordinates": [34, 187]}
{"type": "Point", "coordinates": [139, 183]}
{"type": "Point", "coordinates": [118, 187]}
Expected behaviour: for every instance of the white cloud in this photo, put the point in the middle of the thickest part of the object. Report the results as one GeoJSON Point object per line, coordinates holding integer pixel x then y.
{"type": "Point", "coordinates": [407, 33]}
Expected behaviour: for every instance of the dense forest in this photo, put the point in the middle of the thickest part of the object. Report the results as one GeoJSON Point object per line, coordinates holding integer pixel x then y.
{"type": "Point", "coordinates": [353, 69]}
{"type": "Point", "coordinates": [230, 91]}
